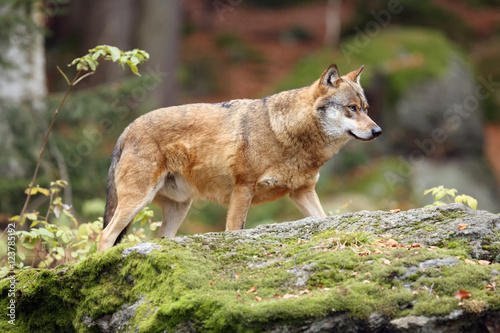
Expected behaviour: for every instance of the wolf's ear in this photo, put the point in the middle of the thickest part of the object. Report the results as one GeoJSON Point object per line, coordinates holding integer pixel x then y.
{"type": "Point", "coordinates": [331, 77]}
{"type": "Point", "coordinates": [356, 75]}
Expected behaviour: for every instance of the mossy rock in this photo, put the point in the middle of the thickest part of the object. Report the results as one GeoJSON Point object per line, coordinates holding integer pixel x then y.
{"type": "Point", "coordinates": [335, 273]}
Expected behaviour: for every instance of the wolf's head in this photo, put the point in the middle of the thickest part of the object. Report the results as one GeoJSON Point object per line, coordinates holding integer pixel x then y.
{"type": "Point", "coordinates": [342, 107]}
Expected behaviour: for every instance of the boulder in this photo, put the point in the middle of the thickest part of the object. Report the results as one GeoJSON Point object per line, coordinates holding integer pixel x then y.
{"type": "Point", "coordinates": [423, 270]}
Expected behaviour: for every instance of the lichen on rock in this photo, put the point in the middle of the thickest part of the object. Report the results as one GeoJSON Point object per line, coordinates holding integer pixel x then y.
{"type": "Point", "coordinates": [381, 271]}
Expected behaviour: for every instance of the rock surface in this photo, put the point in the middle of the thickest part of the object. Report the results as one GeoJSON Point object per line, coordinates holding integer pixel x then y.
{"type": "Point", "coordinates": [357, 272]}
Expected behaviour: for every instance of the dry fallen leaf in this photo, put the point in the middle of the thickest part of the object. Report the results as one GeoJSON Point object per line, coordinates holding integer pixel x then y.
{"type": "Point", "coordinates": [366, 281]}
{"type": "Point", "coordinates": [386, 262]}
{"type": "Point", "coordinates": [237, 275]}
{"type": "Point", "coordinates": [238, 296]}
{"type": "Point", "coordinates": [287, 296]}
{"type": "Point", "coordinates": [468, 261]}
{"type": "Point", "coordinates": [392, 243]}
{"type": "Point", "coordinates": [252, 290]}
{"type": "Point", "coordinates": [484, 262]}
{"type": "Point", "coordinates": [462, 226]}
{"type": "Point", "coordinates": [364, 253]}
{"type": "Point", "coordinates": [414, 245]}
{"type": "Point", "coordinates": [299, 242]}
{"type": "Point", "coordinates": [377, 251]}
{"type": "Point", "coordinates": [277, 296]}
{"type": "Point", "coordinates": [463, 294]}
{"type": "Point", "coordinates": [305, 291]}
{"type": "Point", "coordinates": [392, 211]}
{"type": "Point", "coordinates": [259, 299]}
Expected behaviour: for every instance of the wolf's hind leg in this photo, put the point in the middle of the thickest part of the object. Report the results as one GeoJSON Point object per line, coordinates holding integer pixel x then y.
{"type": "Point", "coordinates": [133, 196]}
{"type": "Point", "coordinates": [174, 214]}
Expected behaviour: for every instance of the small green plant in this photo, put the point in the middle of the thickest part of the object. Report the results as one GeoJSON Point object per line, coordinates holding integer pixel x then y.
{"type": "Point", "coordinates": [144, 217]}
{"type": "Point", "coordinates": [444, 195]}
{"type": "Point", "coordinates": [53, 244]}
{"type": "Point", "coordinates": [49, 244]}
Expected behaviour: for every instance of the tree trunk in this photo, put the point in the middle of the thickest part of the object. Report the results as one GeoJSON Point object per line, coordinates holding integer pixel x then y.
{"type": "Point", "coordinates": [332, 22]}
{"type": "Point", "coordinates": [22, 87]}
{"type": "Point", "coordinates": [158, 33]}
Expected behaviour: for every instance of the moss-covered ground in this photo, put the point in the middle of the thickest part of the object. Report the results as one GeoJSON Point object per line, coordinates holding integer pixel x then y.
{"type": "Point", "coordinates": [222, 283]}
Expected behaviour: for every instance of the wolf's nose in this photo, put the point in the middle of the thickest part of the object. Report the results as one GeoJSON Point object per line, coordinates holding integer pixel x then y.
{"type": "Point", "coordinates": [377, 131]}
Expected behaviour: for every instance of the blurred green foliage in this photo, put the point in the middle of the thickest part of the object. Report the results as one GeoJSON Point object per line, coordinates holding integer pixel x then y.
{"type": "Point", "coordinates": [423, 13]}
{"type": "Point", "coordinates": [404, 56]}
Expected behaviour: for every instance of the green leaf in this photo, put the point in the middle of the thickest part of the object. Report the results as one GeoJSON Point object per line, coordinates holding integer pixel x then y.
{"type": "Point", "coordinates": [428, 191]}
{"type": "Point", "coordinates": [61, 182]}
{"type": "Point", "coordinates": [28, 245]}
{"type": "Point", "coordinates": [82, 65]}
{"type": "Point", "coordinates": [452, 192]}
{"type": "Point", "coordinates": [60, 251]}
{"type": "Point", "coordinates": [440, 195]}
{"type": "Point", "coordinates": [115, 53]}
{"type": "Point", "coordinates": [45, 232]}
{"type": "Point", "coordinates": [65, 238]}
{"type": "Point", "coordinates": [82, 229]}
{"type": "Point", "coordinates": [133, 68]}
{"type": "Point", "coordinates": [472, 202]}
{"type": "Point", "coordinates": [34, 223]}
{"type": "Point", "coordinates": [4, 271]}
{"type": "Point", "coordinates": [21, 255]}
{"type": "Point", "coordinates": [75, 61]}
{"type": "Point", "coordinates": [437, 189]}
{"type": "Point", "coordinates": [31, 216]}
{"type": "Point", "coordinates": [93, 65]}
{"type": "Point", "coordinates": [14, 218]}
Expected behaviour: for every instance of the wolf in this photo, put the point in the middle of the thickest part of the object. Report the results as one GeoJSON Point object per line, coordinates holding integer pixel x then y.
{"type": "Point", "coordinates": [236, 153]}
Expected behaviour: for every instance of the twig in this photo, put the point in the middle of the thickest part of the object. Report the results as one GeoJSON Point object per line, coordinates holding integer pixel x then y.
{"type": "Point", "coordinates": [44, 145]}
{"type": "Point", "coordinates": [430, 290]}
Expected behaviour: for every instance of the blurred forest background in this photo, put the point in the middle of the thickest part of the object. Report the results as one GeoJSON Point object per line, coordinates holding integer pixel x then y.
{"type": "Point", "coordinates": [432, 80]}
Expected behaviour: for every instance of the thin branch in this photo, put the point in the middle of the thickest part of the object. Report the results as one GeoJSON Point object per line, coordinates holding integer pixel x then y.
{"type": "Point", "coordinates": [32, 184]}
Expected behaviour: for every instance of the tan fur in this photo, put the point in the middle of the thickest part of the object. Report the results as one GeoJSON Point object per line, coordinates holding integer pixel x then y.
{"type": "Point", "coordinates": [235, 153]}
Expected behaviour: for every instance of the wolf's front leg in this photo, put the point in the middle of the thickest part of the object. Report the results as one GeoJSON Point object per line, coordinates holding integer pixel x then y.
{"type": "Point", "coordinates": [307, 201]}
{"type": "Point", "coordinates": [241, 200]}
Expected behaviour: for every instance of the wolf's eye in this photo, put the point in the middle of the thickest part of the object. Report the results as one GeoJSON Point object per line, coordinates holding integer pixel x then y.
{"type": "Point", "coordinates": [352, 108]}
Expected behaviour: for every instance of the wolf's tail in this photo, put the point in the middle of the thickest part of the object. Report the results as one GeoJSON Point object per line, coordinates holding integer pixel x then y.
{"type": "Point", "coordinates": [111, 193]}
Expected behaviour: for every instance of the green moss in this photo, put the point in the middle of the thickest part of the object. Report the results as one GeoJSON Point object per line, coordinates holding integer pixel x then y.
{"type": "Point", "coordinates": [452, 215]}
{"type": "Point", "coordinates": [207, 284]}
{"type": "Point", "coordinates": [491, 243]}
{"type": "Point", "coordinates": [460, 245]}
